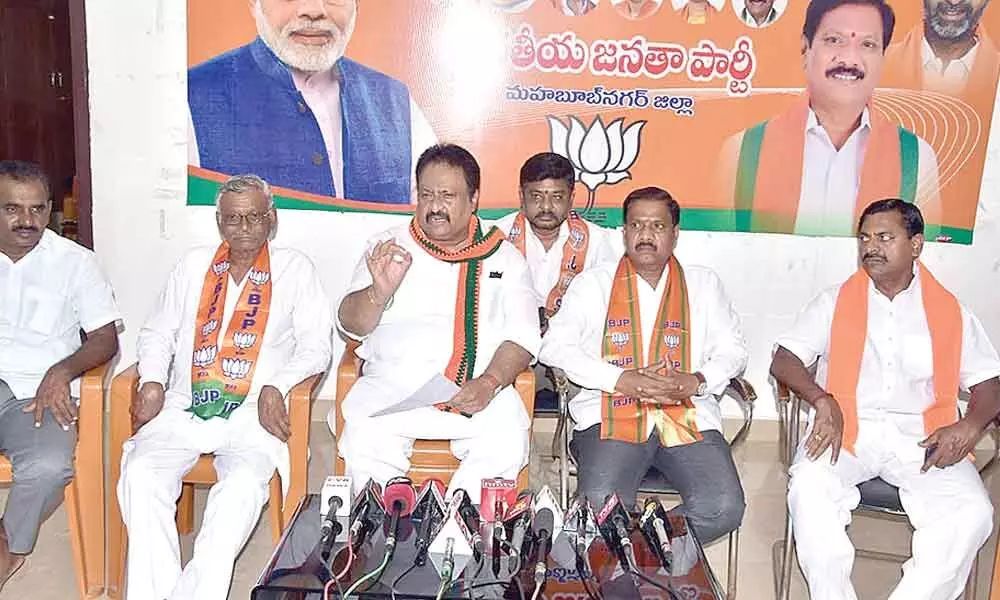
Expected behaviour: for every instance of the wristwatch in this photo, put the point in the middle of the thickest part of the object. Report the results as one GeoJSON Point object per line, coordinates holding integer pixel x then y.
{"type": "Point", "coordinates": [702, 385]}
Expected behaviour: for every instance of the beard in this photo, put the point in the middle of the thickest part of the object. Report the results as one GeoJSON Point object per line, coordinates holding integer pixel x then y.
{"type": "Point", "coordinates": [308, 59]}
{"type": "Point", "coordinates": [952, 30]}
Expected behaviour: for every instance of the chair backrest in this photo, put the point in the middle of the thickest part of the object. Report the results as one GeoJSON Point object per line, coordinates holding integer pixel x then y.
{"type": "Point", "coordinates": [430, 458]}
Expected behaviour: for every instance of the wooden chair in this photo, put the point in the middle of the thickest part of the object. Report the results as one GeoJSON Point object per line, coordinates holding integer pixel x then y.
{"type": "Point", "coordinates": [85, 493]}
{"type": "Point", "coordinates": [431, 458]}
{"type": "Point", "coordinates": [124, 390]}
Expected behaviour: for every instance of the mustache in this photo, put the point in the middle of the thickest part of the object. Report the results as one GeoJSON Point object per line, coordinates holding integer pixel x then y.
{"type": "Point", "coordinates": [20, 229]}
{"type": "Point", "coordinates": [873, 256]}
{"type": "Point", "coordinates": [439, 214]}
{"type": "Point", "coordinates": [845, 70]}
{"type": "Point", "coordinates": [642, 245]}
{"type": "Point", "coordinates": [946, 8]}
{"type": "Point", "coordinates": [545, 215]}
{"type": "Point", "coordinates": [310, 27]}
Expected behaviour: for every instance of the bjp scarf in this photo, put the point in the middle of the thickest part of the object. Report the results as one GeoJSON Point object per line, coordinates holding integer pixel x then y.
{"type": "Point", "coordinates": [221, 374]}
{"type": "Point", "coordinates": [573, 258]}
{"type": "Point", "coordinates": [625, 418]}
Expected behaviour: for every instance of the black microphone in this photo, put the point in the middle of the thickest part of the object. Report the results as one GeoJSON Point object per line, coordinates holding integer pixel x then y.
{"type": "Point", "coordinates": [398, 499]}
{"type": "Point", "coordinates": [467, 511]}
{"type": "Point", "coordinates": [367, 514]}
{"type": "Point", "coordinates": [518, 518]}
{"type": "Point", "coordinates": [656, 530]}
{"type": "Point", "coordinates": [541, 526]}
{"type": "Point", "coordinates": [336, 498]}
{"type": "Point", "coordinates": [430, 511]}
{"type": "Point", "coordinates": [612, 521]}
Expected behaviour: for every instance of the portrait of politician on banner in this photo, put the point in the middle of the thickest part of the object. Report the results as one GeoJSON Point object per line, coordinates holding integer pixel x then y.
{"type": "Point", "coordinates": [761, 116]}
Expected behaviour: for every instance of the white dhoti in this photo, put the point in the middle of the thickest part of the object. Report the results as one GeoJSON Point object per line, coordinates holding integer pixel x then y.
{"type": "Point", "coordinates": [154, 461]}
{"type": "Point", "coordinates": [949, 509]}
{"type": "Point", "coordinates": [492, 443]}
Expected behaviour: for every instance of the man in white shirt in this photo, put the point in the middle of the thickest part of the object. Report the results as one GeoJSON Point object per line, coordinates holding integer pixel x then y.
{"type": "Point", "coordinates": [575, 8]}
{"type": "Point", "coordinates": [241, 325]}
{"type": "Point", "coordinates": [893, 348]}
{"type": "Point", "coordinates": [292, 108]}
{"type": "Point", "coordinates": [51, 289]}
{"type": "Point", "coordinates": [556, 241]}
{"type": "Point", "coordinates": [440, 297]}
{"type": "Point", "coordinates": [759, 13]}
{"type": "Point", "coordinates": [812, 169]}
{"type": "Point", "coordinates": [653, 345]}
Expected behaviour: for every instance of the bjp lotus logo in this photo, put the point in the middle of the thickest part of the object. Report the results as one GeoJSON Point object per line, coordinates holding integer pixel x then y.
{"type": "Point", "coordinates": [209, 327]}
{"type": "Point", "coordinates": [235, 368]}
{"type": "Point", "coordinates": [204, 356]}
{"type": "Point", "coordinates": [244, 340]}
{"type": "Point", "coordinates": [600, 155]}
{"type": "Point", "coordinates": [619, 338]}
{"type": "Point", "coordinates": [220, 267]}
{"type": "Point", "coordinates": [258, 277]}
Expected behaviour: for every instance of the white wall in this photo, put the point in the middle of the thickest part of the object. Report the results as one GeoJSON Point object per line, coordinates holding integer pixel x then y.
{"type": "Point", "coordinates": [141, 224]}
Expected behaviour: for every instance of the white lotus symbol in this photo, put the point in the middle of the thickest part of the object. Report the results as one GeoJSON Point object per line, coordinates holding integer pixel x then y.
{"type": "Point", "coordinates": [220, 267]}
{"type": "Point", "coordinates": [209, 327]}
{"type": "Point", "coordinates": [235, 368]}
{"type": "Point", "coordinates": [599, 154]}
{"type": "Point", "coordinates": [244, 340]}
{"type": "Point", "coordinates": [205, 356]}
{"type": "Point", "coordinates": [259, 277]}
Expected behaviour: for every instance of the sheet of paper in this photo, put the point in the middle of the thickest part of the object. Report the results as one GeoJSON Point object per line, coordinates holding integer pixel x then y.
{"type": "Point", "coordinates": [437, 389]}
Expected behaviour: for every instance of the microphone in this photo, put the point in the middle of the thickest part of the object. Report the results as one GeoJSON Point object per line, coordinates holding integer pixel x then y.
{"type": "Point", "coordinates": [451, 549]}
{"type": "Point", "coordinates": [335, 497]}
{"type": "Point", "coordinates": [656, 529]}
{"type": "Point", "coordinates": [367, 515]}
{"type": "Point", "coordinates": [398, 499]}
{"type": "Point", "coordinates": [495, 495]}
{"type": "Point", "coordinates": [467, 511]}
{"type": "Point", "coordinates": [582, 529]}
{"type": "Point", "coordinates": [518, 518]}
{"type": "Point", "coordinates": [429, 511]}
{"type": "Point", "coordinates": [612, 522]}
{"type": "Point", "coordinates": [541, 526]}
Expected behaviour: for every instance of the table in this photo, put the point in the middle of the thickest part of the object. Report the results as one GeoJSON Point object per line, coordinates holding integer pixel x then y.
{"type": "Point", "coordinates": [297, 572]}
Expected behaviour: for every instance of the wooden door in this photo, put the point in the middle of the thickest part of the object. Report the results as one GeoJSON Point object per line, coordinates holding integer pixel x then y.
{"type": "Point", "coordinates": [36, 100]}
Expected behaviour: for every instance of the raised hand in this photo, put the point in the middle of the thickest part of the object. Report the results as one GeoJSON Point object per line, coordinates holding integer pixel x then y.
{"type": "Point", "coordinates": [388, 263]}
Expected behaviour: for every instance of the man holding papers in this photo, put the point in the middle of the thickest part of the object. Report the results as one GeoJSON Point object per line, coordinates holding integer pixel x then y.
{"type": "Point", "coordinates": [440, 297]}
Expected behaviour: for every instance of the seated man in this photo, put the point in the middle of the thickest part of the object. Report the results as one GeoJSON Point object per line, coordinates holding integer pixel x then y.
{"type": "Point", "coordinates": [439, 296]}
{"type": "Point", "coordinates": [894, 347]}
{"type": "Point", "coordinates": [52, 289]}
{"type": "Point", "coordinates": [652, 344]}
{"type": "Point", "coordinates": [556, 241]}
{"type": "Point", "coordinates": [242, 323]}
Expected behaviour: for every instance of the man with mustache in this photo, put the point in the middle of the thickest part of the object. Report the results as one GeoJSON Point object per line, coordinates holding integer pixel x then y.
{"type": "Point", "coordinates": [440, 297]}
{"type": "Point", "coordinates": [949, 52]}
{"type": "Point", "coordinates": [892, 348]}
{"type": "Point", "coordinates": [575, 8]}
{"type": "Point", "coordinates": [812, 169]}
{"type": "Point", "coordinates": [53, 289]}
{"type": "Point", "coordinates": [637, 9]}
{"type": "Point", "coordinates": [292, 108]}
{"type": "Point", "coordinates": [653, 344]}
{"type": "Point", "coordinates": [698, 12]}
{"type": "Point", "coordinates": [759, 13]}
{"type": "Point", "coordinates": [556, 241]}
{"type": "Point", "coordinates": [235, 328]}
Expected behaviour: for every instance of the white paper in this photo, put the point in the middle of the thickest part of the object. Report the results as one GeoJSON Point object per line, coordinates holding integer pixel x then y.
{"type": "Point", "coordinates": [437, 389]}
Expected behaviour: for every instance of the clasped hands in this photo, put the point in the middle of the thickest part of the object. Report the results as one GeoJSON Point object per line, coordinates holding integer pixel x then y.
{"type": "Point", "coordinates": [659, 383]}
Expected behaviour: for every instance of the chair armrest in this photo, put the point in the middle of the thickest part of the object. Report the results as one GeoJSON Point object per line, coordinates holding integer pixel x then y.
{"type": "Point", "coordinates": [348, 371]}
{"type": "Point", "coordinates": [300, 400]}
{"type": "Point", "coordinates": [742, 392]}
{"type": "Point", "coordinates": [525, 386]}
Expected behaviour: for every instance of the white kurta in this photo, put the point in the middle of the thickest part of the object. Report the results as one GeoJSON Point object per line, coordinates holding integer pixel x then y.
{"type": "Point", "coordinates": [576, 333]}
{"type": "Point", "coordinates": [296, 345]}
{"type": "Point", "coordinates": [544, 265]}
{"type": "Point", "coordinates": [949, 508]}
{"type": "Point", "coordinates": [46, 298]}
{"type": "Point", "coordinates": [412, 342]}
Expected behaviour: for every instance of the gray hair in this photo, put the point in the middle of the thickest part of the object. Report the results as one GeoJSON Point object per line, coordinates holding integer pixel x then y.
{"type": "Point", "coordinates": [239, 184]}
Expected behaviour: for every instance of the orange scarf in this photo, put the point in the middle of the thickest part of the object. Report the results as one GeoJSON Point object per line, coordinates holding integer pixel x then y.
{"type": "Point", "coordinates": [479, 247]}
{"type": "Point", "coordinates": [847, 345]}
{"type": "Point", "coordinates": [573, 258]}
{"type": "Point", "coordinates": [221, 375]}
{"type": "Point", "coordinates": [769, 169]}
{"type": "Point", "coordinates": [623, 418]}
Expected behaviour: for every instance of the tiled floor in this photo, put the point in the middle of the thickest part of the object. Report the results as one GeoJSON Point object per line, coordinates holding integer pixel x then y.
{"type": "Point", "coordinates": [48, 574]}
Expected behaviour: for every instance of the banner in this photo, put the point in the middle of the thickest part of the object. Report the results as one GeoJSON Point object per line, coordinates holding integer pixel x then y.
{"type": "Point", "coordinates": [724, 103]}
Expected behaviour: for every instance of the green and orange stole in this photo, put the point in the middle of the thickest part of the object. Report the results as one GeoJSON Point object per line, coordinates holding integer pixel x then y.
{"type": "Point", "coordinates": [471, 256]}
{"type": "Point", "coordinates": [625, 418]}
{"type": "Point", "coordinates": [573, 258]}
{"type": "Point", "coordinates": [221, 374]}
{"type": "Point", "coordinates": [847, 345]}
{"type": "Point", "coordinates": [769, 169]}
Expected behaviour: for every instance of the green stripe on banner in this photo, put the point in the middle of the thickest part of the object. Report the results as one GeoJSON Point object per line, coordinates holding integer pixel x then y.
{"type": "Point", "coordinates": [746, 175]}
{"type": "Point", "coordinates": [201, 192]}
{"type": "Point", "coordinates": [909, 155]}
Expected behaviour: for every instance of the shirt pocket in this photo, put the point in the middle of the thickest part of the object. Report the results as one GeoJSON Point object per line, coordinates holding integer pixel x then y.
{"type": "Point", "coordinates": [44, 311]}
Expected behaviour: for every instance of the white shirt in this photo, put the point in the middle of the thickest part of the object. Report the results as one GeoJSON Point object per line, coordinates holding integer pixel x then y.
{"type": "Point", "coordinates": [576, 333]}
{"type": "Point", "coordinates": [831, 179]}
{"type": "Point", "coordinates": [321, 92]}
{"type": "Point", "coordinates": [749, 21]}
{"type": "Point", "coordinates": [296, 341]}
{"type": "Point", "coordinates": [544, 265]}
{"type": "Point", "coordinates": [946, 78]}
{"type": "Point", "coordinates": [46, 298]}
{"type": "Point", "coordinates": [897, 366]}
{"type": "Point", "coordinates": [413, 340]}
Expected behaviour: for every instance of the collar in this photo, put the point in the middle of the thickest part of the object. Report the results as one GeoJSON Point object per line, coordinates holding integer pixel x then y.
{"type": "Point", "coordinates": [271, 65]}
{"type": "Point", "coordinates": [929, 59]}
{"type": "Point", "coordinates": [812, 122]}
{"type": "Point", "coordinates": [771, 18]}
{"type": "Point", "coordinates": [716, 4]}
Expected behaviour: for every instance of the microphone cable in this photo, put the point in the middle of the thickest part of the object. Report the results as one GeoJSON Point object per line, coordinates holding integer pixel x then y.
{"type": "Point", "coordinates": [338, 576]}
{"type": "Point", "coordinates": [374, 574]}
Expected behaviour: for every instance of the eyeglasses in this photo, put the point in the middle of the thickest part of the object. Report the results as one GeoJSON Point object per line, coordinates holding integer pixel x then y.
{"type": "Point", "coordinates": [236, 219]}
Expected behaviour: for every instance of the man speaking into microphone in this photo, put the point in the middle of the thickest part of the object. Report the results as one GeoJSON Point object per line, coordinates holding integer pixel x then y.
{"type": "Point", "coordinates": [440, 299]}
